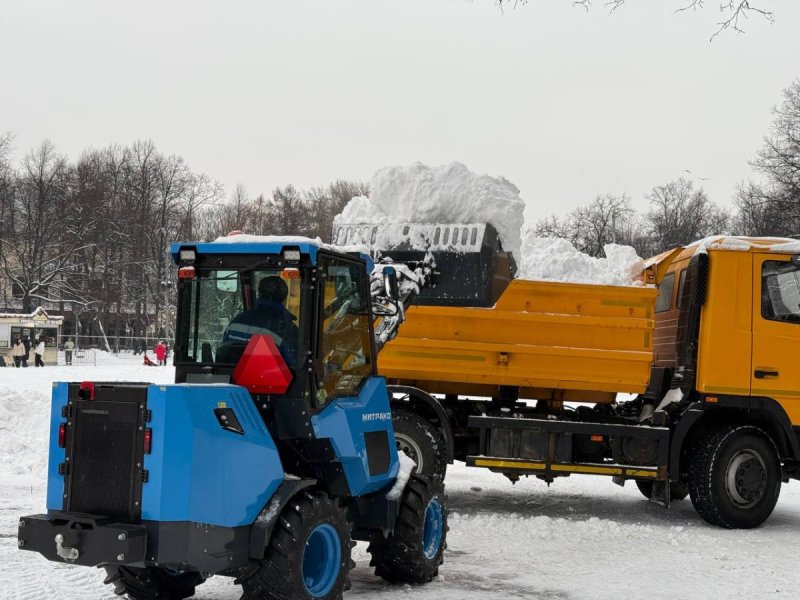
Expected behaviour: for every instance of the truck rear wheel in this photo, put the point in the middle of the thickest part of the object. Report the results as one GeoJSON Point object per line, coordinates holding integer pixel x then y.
{"type": "Point", "coordinates": [735, 477]}
{"type": "Point", "coordinates": [308, 556]}
{"type": "Point", "coordinates": [152, 583]}
{"type": "Point", "coordinates": [678, 490]}
{"type": "Point", "coordinates": [421, 441]}
{"type": "Point", "coordinates": [413, 552]}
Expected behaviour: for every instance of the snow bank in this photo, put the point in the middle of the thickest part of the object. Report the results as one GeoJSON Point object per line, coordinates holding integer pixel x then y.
{"type": "Point", "coordinates": [25, 409]}
{"type": "Point", "coordinates": [446, 194]}
{"type": "Point", "coordinates": [24, 423]}
{"type": "Point", "coordinates": [555, 259]}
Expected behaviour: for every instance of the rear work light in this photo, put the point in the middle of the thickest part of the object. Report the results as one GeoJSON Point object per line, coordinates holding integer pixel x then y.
{"type": "Point", "coordinates": [291, 254]}
{"type": "Point", "coordinates": [187, 255]}
{"type": "Point", "coordinates": [62, 435]}
{"type": "Point", "coordinates": [148, 440]}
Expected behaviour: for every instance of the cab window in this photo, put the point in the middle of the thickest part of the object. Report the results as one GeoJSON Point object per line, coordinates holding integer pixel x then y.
{"type": "Point", "coordinates": [664, 301]}
{"type": "Point", "coordinates": [780, 291]}
{"type": "Point", "coordinates": [681, 285]}
{"type": "Point", "coordinates": [346, 340]}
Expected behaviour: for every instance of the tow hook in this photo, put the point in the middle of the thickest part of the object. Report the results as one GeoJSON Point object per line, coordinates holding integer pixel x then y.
{"type": "Point", "coordinates": [65, 552]}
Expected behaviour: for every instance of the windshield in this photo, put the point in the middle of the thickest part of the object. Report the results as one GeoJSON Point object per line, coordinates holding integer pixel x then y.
{"type": "Point", "coordinates": [226, 308]}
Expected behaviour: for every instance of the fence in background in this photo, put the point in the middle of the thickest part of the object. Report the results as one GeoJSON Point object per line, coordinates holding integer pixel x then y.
{"type": "Point", "coordinates": [91, 350]}
{"type": "Point", "coordinates": [79, 357]}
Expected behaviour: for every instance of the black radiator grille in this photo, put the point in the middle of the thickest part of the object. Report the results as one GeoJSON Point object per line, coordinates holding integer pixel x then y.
{"type": "Point", "coordinates": [106, 446]}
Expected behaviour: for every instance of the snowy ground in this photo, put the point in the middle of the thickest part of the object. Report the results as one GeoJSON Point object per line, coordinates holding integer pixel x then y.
{"type": "Point", "coordinates": [581, 538]}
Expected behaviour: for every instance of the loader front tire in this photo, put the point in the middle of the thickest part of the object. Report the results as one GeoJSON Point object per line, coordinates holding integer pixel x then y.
{"type": "Point", "coordinates": [413, 552]}
{"type": "Point", "coordinates": [152, 583]}
{"type": "Point", "coordinates": [421, 441]}
{"type": "Point", "coordinates": [308, 555]}
{"type": "Point", "coordinates": [735, 477]}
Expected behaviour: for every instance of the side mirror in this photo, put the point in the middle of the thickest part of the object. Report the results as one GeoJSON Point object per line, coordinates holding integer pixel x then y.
{"type": "Point", "coordinates": [796, 261]}
{"type": "Point", "coordinates": [390, 283]}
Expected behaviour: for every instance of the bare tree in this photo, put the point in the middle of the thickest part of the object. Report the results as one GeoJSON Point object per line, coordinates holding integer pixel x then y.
{"type": "Point", "coordinates": [680, 214]}
{"type": "Point", "coordinates": [598, 223]}
{"type": "Point", "coordinates": [732, 12]}
{"type": "Point", "coordinates": [41, 242]}
{"type": "Point", "coordinates": [607, 219]}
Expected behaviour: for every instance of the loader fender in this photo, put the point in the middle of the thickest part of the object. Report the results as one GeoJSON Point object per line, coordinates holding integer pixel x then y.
{"type": "Point", "coordinates": [426, 406]}
{"type": "Point", "coordinates": [265, 522]}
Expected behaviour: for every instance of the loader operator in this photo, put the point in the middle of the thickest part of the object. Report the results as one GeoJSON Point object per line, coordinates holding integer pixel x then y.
{"type": "Point", "coordinates": [268, 317]}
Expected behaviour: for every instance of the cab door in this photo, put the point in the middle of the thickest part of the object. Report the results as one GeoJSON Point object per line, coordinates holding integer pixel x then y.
{"type": "Point", "coordinates": [776, 331]}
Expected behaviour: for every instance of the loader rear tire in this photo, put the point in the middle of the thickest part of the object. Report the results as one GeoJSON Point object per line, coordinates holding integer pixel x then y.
{"type": "Point", "coordinates": [421, 441]}
{"type": "Point", "coordinates": [735, 477]}
{"type": "Point", "coordinates": [308, 555]}
{"type": "Point", "coordinates": [413, 552]}
{"type": "Point", "coordinates": [678, 490]}
{"type": "Point", "coordinates": [152, 583]}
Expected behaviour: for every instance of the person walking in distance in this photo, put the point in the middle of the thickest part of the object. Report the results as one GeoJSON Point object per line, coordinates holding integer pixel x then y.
{"type": "Point", "coordinates": [69, 346]}
{"type": "Point", "coordinates": [18, 352]}
{"type": "Point", "coordinates": [38, 352]}
{"type": "Point", "coordinates": [26, 341]}
{"type": "Point", "coordinates": [161, 353]}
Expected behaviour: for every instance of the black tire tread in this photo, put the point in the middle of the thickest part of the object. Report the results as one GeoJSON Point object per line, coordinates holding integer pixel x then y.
{"type": "Point", "coordinates": [273, 577]}
{"type": "Point", "coordinates": [427, 436]}
{"type": "Point", "coordinates": [150, 584]}
{"type": "Point", "coordinates": [398, 558]}
{"type": "Point", "coordinates": [702, 463]}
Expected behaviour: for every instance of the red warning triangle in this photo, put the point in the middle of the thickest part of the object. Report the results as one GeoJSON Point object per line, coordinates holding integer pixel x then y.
{"type": "Point", "coordinates": [261, 369]}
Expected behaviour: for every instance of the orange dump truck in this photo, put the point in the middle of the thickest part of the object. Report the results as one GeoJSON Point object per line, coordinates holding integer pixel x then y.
{"type": "Point", "coordinates": [521, 377]}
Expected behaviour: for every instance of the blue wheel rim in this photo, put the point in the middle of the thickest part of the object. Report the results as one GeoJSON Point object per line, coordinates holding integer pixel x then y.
{"type": "Point", "coordinates": [321, 558]}
{"type": "Point", "coordinates": [433, 529]}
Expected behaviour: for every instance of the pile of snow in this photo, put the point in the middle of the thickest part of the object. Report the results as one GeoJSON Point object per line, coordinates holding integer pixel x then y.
{"type": "Point", "coordinates": [25, 409]}
{"type": "Point", "coordinates": [556, 259]}
{"type": "Point", "coordinates": [446, 194]}
{"type": "Point", "coordinates": [24, 422]}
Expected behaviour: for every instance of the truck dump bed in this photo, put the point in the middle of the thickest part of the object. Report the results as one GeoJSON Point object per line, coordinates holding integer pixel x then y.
{"type": "Point", "coordinates": [554, 341]}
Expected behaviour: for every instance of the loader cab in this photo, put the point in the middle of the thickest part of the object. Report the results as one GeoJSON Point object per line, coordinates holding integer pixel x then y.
{"type": "Point", "coordinates": [308, 307]}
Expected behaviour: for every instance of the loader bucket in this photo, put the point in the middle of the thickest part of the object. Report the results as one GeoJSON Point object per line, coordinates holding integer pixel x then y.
{"type": "Point", "coordinates": [472, 269]}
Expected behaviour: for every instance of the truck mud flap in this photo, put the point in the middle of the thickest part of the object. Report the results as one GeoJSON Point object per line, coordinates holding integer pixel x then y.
{"type": "Point", "coordinates": [86, 540]}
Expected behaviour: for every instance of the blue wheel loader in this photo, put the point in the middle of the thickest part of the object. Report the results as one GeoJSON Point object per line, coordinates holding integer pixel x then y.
{"type": "Point", "coordinates": [270, 455]}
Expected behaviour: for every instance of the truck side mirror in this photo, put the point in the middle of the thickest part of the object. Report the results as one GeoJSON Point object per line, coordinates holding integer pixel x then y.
{"type": "Point", "coordinates": [390, 283]}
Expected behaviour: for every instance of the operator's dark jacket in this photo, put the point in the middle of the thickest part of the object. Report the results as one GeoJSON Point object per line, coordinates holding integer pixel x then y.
{"type": "Point", "coordinates": [267, 317]}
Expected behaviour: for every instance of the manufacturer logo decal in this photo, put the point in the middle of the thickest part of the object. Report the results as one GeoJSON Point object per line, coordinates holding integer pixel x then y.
{"type": "Point", "coordinates": [378, 416]}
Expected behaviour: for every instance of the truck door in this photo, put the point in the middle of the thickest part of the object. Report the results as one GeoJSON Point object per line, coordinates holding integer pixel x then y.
{"type": "Point", "coordinates": [776, 331]}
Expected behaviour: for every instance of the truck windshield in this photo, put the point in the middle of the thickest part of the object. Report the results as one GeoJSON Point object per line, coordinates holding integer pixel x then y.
{"type": "Point", "coordinates": [226, 308]}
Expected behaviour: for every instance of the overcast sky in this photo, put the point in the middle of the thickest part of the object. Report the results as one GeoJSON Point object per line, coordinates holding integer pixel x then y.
{"type": "Point", "coordinates": [565, 104]}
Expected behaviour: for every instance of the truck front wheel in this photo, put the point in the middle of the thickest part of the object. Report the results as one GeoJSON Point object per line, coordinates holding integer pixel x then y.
{"type": "Point", "coordinates": [308, 556]}
{"type": "Point", "coordinates": [735, 477]}
{"type": "Point", "coordinates": [152, 583]}
{"type": "Point", "coordinates": [421, 441]}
